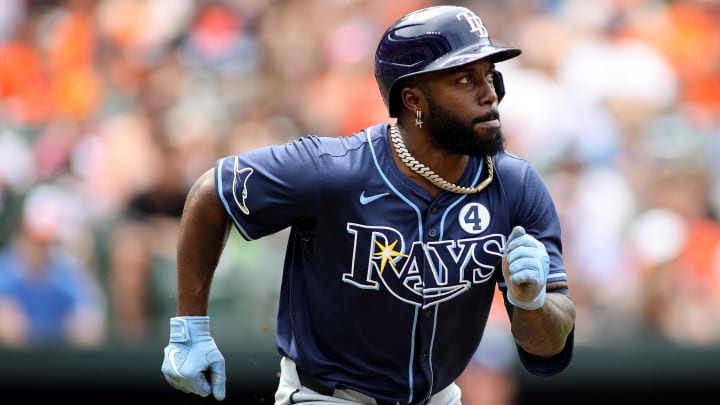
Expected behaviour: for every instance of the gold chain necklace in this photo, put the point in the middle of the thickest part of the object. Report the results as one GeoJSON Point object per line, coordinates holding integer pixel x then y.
{"type": "Point", "coordinates": [431, 176]}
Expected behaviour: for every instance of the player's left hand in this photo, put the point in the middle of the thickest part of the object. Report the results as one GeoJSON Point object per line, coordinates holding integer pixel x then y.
{"type": "Point", "coordinates": [192, 362]}
{"type": "Point", "coordinates": [526, 266]}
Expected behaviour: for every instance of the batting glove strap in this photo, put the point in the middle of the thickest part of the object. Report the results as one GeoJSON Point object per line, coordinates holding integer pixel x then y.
{"type": "Point", "coordinates": [185, 329]}
{"type": "Point", "coordinates": [536, 303]}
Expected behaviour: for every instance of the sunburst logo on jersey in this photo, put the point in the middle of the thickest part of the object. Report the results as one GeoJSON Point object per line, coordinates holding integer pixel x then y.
{"type": "Point", "coordinates": [387, 254]}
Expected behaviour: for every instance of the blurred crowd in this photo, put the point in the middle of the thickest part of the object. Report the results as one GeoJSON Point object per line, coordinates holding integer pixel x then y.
{"type": "Point", "coordinates": [109, 109]}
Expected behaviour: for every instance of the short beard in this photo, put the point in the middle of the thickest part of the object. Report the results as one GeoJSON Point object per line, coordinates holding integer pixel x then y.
{"type": "Point", "coordinates": [450, 134]}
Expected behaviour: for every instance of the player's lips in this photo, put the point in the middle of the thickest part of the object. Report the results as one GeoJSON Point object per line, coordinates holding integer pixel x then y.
{"type": "Point", "coordinates": [489, 124]}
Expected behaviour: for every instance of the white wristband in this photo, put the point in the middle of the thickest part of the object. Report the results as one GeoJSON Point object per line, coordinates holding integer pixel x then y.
{"type": "Point", "coordinates": [536, 303]}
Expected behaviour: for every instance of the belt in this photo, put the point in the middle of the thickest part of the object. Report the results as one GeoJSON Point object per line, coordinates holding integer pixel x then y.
{"type": "Point", "coordinates": [307, 380]}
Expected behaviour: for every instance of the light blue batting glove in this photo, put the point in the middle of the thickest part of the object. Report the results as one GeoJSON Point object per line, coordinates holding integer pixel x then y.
{"type": "Point", "coordinates": [526, 266]}
{"type": "Point", "coordinates": [192, 361]}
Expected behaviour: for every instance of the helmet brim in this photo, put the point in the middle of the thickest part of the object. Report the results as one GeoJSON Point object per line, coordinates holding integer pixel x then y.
{"type": "Point", "coordinates": [490, 52]}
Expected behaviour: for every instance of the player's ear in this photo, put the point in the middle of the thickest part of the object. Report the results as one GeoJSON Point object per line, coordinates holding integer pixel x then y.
{"type": "Point", "coordinates": [411, 98]}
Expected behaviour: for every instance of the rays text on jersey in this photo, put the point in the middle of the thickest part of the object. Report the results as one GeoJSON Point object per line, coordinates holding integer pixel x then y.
{"type": "Point", "coordinates": [423, 273]}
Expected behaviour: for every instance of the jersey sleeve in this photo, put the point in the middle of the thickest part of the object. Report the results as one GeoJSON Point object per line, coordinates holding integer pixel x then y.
{"type": "Point", "coordinates": [271, 188]}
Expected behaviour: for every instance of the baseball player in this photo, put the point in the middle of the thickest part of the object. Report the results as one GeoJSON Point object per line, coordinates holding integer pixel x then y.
{"type": "Point", "coordinates": [399, 236]}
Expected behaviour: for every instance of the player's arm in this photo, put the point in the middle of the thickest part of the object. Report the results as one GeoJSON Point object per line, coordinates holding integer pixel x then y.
{"type": "Point", "coordinates": [204, 229]}
{"type": "Point", "coordinates": [544, 331]}
{"type": "Point", "coordinates": [192, 361]}
{"type": "Point", "coordinates": [541, 320]}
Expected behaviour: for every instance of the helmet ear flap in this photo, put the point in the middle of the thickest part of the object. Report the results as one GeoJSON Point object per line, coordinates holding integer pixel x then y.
{"type": "Point", "coordinates": [499, 85]}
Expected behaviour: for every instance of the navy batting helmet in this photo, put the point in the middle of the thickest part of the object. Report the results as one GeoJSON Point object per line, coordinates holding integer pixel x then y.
{"type": "Point", "coordinates": [432, 39]}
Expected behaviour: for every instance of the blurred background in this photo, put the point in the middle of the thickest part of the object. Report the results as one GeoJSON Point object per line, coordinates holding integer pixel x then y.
{"type": "Point", "coordinates": [109, 109]}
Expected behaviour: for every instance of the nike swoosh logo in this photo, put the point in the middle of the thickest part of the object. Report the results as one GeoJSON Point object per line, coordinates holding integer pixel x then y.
{"type": "Point", "coordinates": [172, 354]}
{"type": "Point", "coordinates": [367, 200]}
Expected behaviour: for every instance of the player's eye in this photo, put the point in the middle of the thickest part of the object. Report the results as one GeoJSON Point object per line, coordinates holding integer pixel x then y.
{"type": "Point", "coordinates": [467, 79]}
{"type": "Point", "coordinates": [490, 76]}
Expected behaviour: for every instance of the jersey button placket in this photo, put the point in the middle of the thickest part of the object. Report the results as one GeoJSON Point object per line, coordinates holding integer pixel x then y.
{"type": "Point", "coordinates": [427, 329]}
{"type": "Point", "coordinates": [428, 319]}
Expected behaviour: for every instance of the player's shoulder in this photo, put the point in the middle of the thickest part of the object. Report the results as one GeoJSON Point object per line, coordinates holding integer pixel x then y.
{"type": "Point", "coordinates": [512, 169]}
{"type": "Point", "coordinates": [505, 160]}
{"type": "Point", "coordinates": [340, 145]}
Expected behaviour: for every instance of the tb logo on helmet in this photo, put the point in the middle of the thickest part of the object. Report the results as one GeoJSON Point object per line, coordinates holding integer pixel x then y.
{"type": "Point", "coordinates": [476, 24]}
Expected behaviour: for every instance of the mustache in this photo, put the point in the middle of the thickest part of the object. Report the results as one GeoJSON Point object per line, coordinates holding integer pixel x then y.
{"type": "Point", "coordinates": [491, 115]}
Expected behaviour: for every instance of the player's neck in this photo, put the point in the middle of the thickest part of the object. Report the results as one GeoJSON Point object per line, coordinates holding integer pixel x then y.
{"type": "Point", "coordinates": [449, 167]}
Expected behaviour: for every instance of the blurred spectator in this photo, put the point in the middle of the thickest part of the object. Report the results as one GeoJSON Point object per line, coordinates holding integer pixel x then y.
{"type": "Point", "coordinates": [676, 246]}
{"type": "Point", "coordinates": [23, 83]}
{"type": "Point", "coordinates": [142, 243]}
{"type": "Point", "coordinates": [686, 32]}
{"type": "Point", "coordinates": [48, 296]}
{"type": "Point", "coordinates": [17, 174]}
{"type": "Point", "coordinates": [12, 16]}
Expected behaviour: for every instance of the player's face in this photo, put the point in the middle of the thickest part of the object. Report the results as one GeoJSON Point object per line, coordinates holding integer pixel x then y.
{"type": "Point", "coordinates": [453, 134]}
{"type": "Point", "coordinates": [462, 110]}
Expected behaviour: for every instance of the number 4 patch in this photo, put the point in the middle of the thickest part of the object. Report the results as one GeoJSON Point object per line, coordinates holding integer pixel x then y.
{"type": "Point", "coordinates": [474, 218]}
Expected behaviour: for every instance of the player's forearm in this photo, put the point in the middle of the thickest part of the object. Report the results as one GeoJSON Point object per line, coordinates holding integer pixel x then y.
{"type": "Point", "coordinates": [543, 332]}
{"type": "Point", "coordinates": [203, 233]}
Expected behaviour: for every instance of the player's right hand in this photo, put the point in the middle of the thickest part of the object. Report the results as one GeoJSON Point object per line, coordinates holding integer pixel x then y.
{"type": "Point", "coordinates": [192, 361]}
